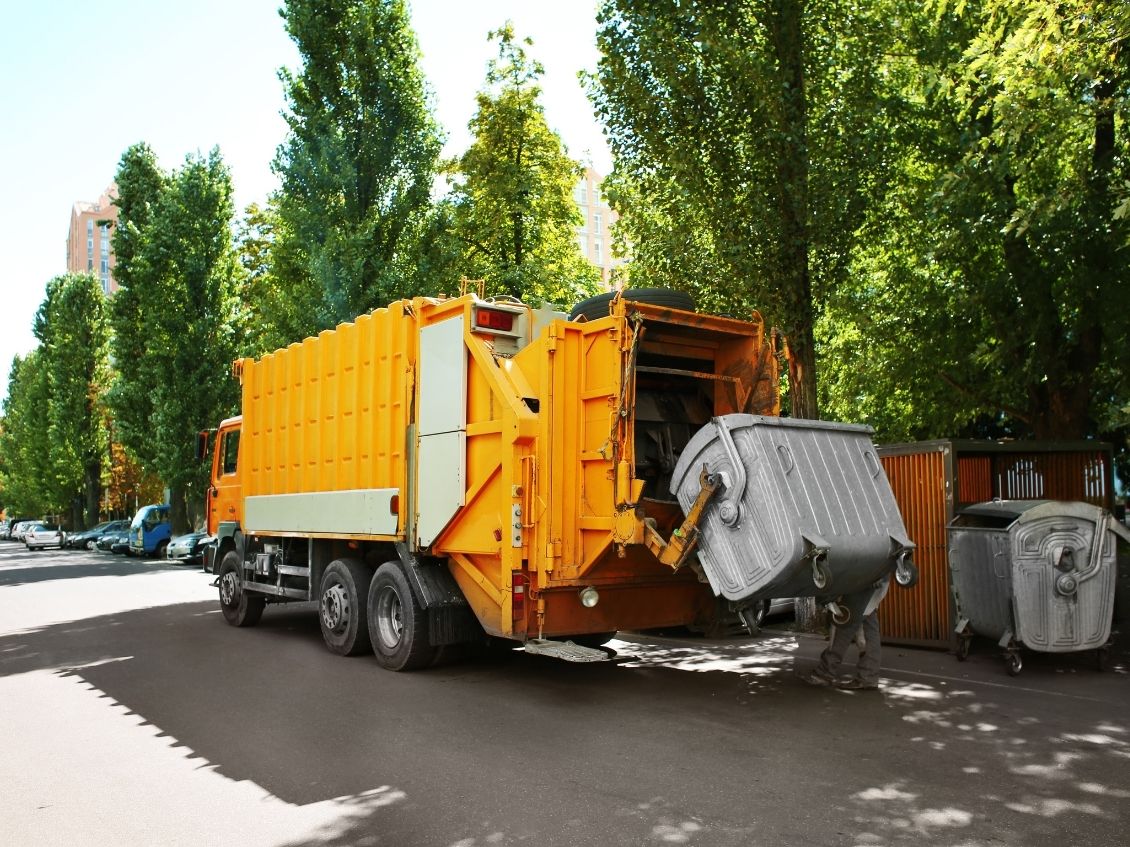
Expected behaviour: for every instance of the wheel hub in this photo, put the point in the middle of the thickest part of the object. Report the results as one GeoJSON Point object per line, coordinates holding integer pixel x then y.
{"type": "Point", "coordinates": [228, 588]}
{"type": "Point", "coordinates": [335, 608]}
{"type": "Point", "coordinates": [390, 621]}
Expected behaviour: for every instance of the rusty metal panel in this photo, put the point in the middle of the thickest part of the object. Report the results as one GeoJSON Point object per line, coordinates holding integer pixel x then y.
{"type": "Point", "coordinates": [922, 488]}
{"type": "Point", "coordinates": [1052, 476]}
{"type": "Point", "coordinates": [974, 479]}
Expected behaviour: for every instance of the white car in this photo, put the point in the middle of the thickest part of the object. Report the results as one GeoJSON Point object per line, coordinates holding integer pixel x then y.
{"type": "Point", "coordinates": [20, 529]}
{"type": "Point", "coordinates": [42, 535]}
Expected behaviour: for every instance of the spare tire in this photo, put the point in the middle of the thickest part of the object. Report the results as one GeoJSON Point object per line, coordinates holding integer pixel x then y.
{"type": "Point", "coordinates": [597, 307]}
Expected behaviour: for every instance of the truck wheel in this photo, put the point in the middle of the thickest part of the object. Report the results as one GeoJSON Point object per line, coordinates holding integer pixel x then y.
{"type": "Point", "coordinates": [159, 550]}
{"type": "Point", "coordinates": [595, 640]}
{"type": "Point", "coordinates": [398, 625]}
{"type": "Point", "coordinates": [345, 625]}
{"type": "Point", "coordinates": [240, 608]}
{"type": "Point", "coordinates": [597, 307]}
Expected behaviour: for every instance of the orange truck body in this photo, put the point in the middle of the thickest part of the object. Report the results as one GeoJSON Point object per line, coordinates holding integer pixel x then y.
{"type": "Point", "coordinates": [520, 453]}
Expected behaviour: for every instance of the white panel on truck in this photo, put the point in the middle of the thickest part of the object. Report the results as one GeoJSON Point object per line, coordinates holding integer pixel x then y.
{"type": "Point", "coordinates": [441, 481]}
{"type": "Point", "coordinates": [443, 377]}
{"type": "Point", "coordinates": [441, 456]}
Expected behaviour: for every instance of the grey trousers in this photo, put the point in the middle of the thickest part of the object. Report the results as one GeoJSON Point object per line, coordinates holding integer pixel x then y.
{"type": "Point", "coordinates": [865, 630]}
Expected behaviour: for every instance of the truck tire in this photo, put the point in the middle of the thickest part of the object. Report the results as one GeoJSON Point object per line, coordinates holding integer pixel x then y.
{"type": "Point", "coordinates": [398, 625]}
{"type": "Point", "coordinates": [159, 550]}
{"type": "Point", "coordinates": [240, 607]}
{"type": "Point", "coordinates": [597, 307]}
{"type": "Point", "coordinates": [341, 607]}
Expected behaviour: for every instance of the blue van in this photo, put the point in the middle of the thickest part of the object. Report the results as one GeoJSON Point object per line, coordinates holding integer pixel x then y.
{"type": "Point", "coordinates": [149, 533]}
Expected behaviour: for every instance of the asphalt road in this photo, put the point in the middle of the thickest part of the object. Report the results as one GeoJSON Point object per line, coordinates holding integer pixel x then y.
{"type": "Point", "coordinates": [131, 714]}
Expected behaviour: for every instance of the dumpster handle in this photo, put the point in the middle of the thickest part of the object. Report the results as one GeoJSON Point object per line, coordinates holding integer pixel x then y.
{"type": "Point", "coordinates": [1068, 583]}
{"type": "Point", "coordinates": [730, 510]}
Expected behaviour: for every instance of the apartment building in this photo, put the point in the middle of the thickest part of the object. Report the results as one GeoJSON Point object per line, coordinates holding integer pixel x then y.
{"type": "Point", "coordinates": [594, 235]}
{"type": "Point", "coordinates": [88, 239]}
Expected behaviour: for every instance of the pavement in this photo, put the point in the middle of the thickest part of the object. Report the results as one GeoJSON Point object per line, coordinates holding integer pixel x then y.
{"type": "Point", "coordinates": [131, 714]}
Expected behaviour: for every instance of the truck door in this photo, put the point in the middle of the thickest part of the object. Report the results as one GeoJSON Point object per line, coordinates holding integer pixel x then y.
{"type": "Point", "coordinates": [223, 504]}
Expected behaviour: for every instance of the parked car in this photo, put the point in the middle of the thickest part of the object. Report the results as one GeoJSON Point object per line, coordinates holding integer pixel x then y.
{"type": "Point", "coordinates": [21, 528]}
{"type": "Point", "coordinates": [188, 548]}
{"type": "Point", "coordinates": [150, 531]}
{"type": "Point", "coordinates": [43, 535]}
{"type": "Point", "coordinates": [5, 528]}
{"type": "Point", "coordinates": [115, 542]}
{"type": "Point", "coordinates": [88, 538]}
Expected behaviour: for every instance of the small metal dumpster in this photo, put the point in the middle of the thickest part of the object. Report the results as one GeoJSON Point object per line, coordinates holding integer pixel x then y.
{"type": "Point", "coordinates": [805, 509]}
{"type": "Point", "coordinates": [1034, 573]}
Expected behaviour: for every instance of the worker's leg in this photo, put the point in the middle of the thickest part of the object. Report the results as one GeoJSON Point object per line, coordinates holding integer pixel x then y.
{"type": "Point", "coordinates": [870, 653]}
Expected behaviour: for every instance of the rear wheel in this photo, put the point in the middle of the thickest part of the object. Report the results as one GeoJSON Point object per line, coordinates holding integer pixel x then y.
{"type": "Point", "coordinates": [240, 608]}
{"type": "Point", "coordinates": [398, 625]}
{"type": "Point", "coordinates": [159, 551]}
{"type": "Point", "coordinates": [345, 625]}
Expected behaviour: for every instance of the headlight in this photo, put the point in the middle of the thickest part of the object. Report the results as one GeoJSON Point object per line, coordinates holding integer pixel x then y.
{"type": "Point", "coordinates": [589, 597]}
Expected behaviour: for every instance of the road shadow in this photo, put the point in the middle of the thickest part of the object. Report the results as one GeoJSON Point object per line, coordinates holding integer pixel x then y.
{"type": "Point", "coordinates": [75, 564]}
{"type": "Point", "coordinates": [724, 740]}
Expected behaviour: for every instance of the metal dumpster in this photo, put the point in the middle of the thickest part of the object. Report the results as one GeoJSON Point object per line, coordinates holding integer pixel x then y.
{"type": "Point", "coordinates": [1039, 574]}
{"type": "Point", "coordinates": [805, 509]}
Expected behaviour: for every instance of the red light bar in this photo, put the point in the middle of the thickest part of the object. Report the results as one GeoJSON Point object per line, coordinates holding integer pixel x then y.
{"type": "Point", "coordinates": [496, 320]}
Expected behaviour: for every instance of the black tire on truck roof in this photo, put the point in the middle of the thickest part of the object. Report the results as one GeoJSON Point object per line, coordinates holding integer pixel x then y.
{"type": "Point", "coordinates": [596, 307]}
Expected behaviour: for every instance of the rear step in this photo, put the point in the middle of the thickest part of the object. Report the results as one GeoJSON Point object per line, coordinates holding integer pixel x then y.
{"type": "Point", "coordinates": [566, 650]}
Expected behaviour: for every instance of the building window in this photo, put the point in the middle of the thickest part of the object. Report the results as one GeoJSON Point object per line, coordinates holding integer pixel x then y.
{"type": "Point", "coordinates": [90, 262]}
{"type": "Point", "coordinates": [582, 194]}
{"type": "Point", "coordinates": [596, 223]}
{"type": "Point", "coordinates": [598, 251]}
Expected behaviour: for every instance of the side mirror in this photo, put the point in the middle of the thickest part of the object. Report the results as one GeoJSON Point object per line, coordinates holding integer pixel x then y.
{"type": "Point", "coordinates": [202, 444]}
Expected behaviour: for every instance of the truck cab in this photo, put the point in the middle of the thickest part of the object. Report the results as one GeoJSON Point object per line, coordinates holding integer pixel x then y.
{"type": "Point", "coordinates": [149, 532]}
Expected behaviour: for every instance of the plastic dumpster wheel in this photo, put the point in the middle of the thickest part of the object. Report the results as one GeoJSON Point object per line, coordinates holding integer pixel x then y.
{"type": "Point", "coordinates": [962, 649]}
{"type": "Point", "coordinates": [398, 625]}
{"type": "Point", "coordinates": [1014, 663]}
{"type": "Point", "coordinates": [239, 607]}
{"type": "Point", "coordinates": [341, 606]}
{"type": "Point", "coordinates": [1101, 656]}
{"type": "Point", "coordinates": [821, 574]}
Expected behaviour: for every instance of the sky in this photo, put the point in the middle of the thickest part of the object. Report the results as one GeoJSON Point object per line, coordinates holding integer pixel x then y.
{"type": "Point", "coordinates": [84, 81]}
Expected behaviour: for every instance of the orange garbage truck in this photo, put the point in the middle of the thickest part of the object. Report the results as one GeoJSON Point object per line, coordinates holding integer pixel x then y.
{"type": "Point", "coordinates": [447, 469]}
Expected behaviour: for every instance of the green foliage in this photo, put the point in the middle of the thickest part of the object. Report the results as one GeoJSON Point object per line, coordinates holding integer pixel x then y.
{"type": "Point", "coordinates": [25, 472]}
{"type": "Point", "coordinates": [140, 182]}
{"type": "Point", "coordinates": [358, 165]}
{"type": "Point", "coordinates": [184, 285]}
{"type": "Point", "coordinates": [54, 438]}
{"type": "Point", "coordinates": [993, 285]}
{"type": "Point", "coordinates": [514, 215]}
{"type": "Point", "coordinates": [750, 138]}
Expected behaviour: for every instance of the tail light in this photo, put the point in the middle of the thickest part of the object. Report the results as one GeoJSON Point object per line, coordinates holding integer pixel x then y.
{"type": "Point", "coordinates": [518, 594]}
{"type": "Point", "coordinates": [494, 319]}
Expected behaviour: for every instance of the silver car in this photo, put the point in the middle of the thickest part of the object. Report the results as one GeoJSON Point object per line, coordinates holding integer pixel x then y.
{"type": "Point", "coordinates": [42, 535]}
{"type": "Point", "coordinates": [20, 529]}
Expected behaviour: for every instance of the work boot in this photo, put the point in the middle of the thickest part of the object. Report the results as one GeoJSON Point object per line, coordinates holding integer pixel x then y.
{"type": "Point", "coordinates": [857, 684]}
{"type": "Point", "coordinates": [820, 677]}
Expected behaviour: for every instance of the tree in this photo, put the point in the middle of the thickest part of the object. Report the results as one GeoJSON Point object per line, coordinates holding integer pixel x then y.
{"type": "Point", "coordinates": [358, 165]}
{"type": "Point", "coordinates": [189, 297]}
{"type": "Point", "coordinates": [25, 473]}
{"type": "Point", "coordinates": [74, 335]}
{"type": "Point", "coordinates": [140, 182]}
{"type": "Point", "coordinates": [754, 133]}
{"type": "Point", "coordinates": [991, 296]}
{"type": "Point", "coordinates": [512, 202]}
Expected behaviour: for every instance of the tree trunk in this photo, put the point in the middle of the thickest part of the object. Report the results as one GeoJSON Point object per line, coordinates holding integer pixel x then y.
{"type": "Point", "coordinates": [93, 492]}
{"type": "Point", "coordinates": [178, 511]}
{"type": "Point", "coordinates": [786, 19]}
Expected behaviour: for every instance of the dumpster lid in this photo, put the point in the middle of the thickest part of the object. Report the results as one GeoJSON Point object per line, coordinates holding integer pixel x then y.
{"type": "Point", "coordinates": [1001, 509]}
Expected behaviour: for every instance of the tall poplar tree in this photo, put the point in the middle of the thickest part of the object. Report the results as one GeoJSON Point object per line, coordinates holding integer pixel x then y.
{"type": "Point", "coordinates": [358, 165]}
